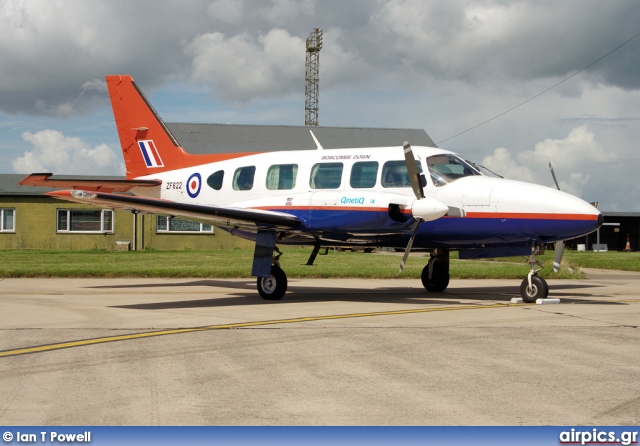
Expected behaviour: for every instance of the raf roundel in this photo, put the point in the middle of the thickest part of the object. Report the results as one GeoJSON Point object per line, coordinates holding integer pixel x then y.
{"type": "Point", "coordinates": [193, 185]}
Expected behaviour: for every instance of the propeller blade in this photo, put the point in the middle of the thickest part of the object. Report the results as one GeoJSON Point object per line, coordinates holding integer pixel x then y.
{"type": "Point", "coordinates": [409, 245]}
{"type": "Point", "coordinates": [557, 257]}
{"type": "Point", "coordinates": [413, 172]}
{"type": "Point", "coordinates": [553, 174]}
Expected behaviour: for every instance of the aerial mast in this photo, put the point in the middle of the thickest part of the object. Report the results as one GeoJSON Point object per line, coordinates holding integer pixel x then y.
{"type": "Point", "coordinates": [312, 77]}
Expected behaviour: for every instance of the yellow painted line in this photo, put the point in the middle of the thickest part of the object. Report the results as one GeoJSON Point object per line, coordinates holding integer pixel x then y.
{"type": "Point", "coordinates": [151, 334]}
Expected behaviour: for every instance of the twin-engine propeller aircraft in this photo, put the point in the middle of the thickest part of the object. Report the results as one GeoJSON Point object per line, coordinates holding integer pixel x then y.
{"type": "Point", "coordinates": [396, 197]}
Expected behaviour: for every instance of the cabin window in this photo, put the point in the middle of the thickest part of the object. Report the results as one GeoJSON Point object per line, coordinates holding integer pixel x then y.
{"type": "Point", "coordinates": [215, 180]}
{"type": "Point", "coordinates": [363, 175]}
{"type": "Point", "coordinates": [282, 177]}
{"type": "Point", "coordinates": [243, 178]}
{"type": "Point", "coordinates": [7, 220]}
{"type": "Point", "coordinates": [326, 176]}
{"type": "Point", "coordinates": [84, 220]}
{"type": "Point", "coordinates": [168, 224]}
{"type": "Point", "coordinates": [394, 174]}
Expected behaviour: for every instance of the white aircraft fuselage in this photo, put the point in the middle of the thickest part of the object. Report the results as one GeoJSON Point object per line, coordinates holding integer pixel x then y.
{"type": "Point", "coordinates": [481, 211]}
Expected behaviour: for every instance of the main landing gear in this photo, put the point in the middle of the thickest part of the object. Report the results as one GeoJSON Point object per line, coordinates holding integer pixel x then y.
{"type": "Point", "coordinates": [273, 287]}
{"type": "Point", "coordinates": [435, 276]}
{"type": "Point", "coordinates": [534, 287]}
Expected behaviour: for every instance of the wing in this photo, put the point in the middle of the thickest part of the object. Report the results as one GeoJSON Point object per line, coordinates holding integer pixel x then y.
{"type": "Point", "coordinates": [90, 184]}
{"type": "Point", "coordinates": [251, 219]}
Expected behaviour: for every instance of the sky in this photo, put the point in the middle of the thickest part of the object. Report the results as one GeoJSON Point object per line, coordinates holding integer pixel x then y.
{"type": "Point", "coordinates": [511, 85]}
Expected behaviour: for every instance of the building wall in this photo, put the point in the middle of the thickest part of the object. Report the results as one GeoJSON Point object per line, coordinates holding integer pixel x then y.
{"type": "Point", "coordinates": [150, 239]}
{"type": "Point", "coordinates": [615, 237]}
{"type": "Point", "coordinates": [36, 220]}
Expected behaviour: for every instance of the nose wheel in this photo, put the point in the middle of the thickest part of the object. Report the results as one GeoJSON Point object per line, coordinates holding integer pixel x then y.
{"type": "Point", "coordinates": [534, 287]}
{"type": "Point", "coordinates": [538, 289]}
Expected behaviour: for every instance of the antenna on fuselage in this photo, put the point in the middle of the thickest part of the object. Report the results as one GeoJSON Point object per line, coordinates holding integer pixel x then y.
{"type": "Point", "coordinates": [318, 145]}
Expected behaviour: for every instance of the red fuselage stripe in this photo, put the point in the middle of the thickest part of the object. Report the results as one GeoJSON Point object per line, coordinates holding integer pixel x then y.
{"type": "Point", "coordinates": [484, 215]}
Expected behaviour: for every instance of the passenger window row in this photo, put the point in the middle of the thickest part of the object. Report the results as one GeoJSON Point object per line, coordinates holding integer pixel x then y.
{"type": "Point", "coordinates": [323, 176]}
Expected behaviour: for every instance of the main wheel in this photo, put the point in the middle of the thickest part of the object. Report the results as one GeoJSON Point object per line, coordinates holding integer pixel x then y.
{"type": "Point", "coordinates": [538, 290]}
{"type": "Point", "coordinates": [273, 287]}
{"type": "Point", "coordinates": [439, 280]}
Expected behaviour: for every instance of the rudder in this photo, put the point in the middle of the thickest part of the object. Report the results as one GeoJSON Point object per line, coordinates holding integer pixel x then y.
{"type": "Point", "coordinates": [148, 146]}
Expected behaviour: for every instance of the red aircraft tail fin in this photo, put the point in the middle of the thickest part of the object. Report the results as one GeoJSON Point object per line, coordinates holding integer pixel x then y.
{"type": "Point", "coordinates": [147, 144]}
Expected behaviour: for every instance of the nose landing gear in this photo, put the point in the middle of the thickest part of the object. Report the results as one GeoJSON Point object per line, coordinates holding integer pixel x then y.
{"type": "Point", "coordinates": [534, 287]}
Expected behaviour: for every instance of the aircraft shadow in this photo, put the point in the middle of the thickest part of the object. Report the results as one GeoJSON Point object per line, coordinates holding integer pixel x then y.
{"type": "Point", "coordinates": [247, 295]}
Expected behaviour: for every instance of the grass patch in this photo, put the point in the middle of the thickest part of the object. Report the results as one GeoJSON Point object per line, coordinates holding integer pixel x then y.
{"type": "Point", "coordinates": [237, 263]}
{"type": "Point", "coordinates": [624, 261]}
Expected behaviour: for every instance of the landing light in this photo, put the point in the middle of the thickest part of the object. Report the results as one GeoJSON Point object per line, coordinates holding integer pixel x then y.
{"type": "Point", "coordinates": [81, 194]}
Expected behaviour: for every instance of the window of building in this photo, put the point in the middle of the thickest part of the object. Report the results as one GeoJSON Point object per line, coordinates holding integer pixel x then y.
{"type": "Point", "coordinates": [326, 176]}
{"type": "Point", "coordinates": [7, 220]}
{"type": "Point", "coordinates": [282, 177]}
{"type": "Point", "coordinates": [215, 180]}
{"type": "Point", "coordinates": [394, 174]}
{"type": "Point", "coordinates": [363, 174]}
{"type": "Point", "coordinates": [243, 178]}
{"type": "Point", "coordinates": [85, 220]}
{"type": "Point", "coordinates": [168, 224]}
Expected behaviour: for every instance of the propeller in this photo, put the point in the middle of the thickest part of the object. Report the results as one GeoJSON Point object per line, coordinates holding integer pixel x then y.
{"type": "Point", "coordinates": [423, 208]}
{"type": "Point", "coordinates": [557, 257]}
{"type": "Point", "coordinates": [415, 178]}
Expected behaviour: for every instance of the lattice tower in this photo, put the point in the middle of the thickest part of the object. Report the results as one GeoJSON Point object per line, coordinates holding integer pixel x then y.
{"type": "Point", "coordinates": [312, 77]}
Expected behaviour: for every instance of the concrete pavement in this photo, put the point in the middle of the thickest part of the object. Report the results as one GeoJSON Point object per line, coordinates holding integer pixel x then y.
{"type": "Point", "coordinates": [332, 352]}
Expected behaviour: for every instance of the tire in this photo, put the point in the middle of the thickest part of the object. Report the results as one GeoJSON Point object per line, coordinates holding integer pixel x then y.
{"type": "Point", "coordinates": [539, 289]}
{"type": "Point", "coordinates": [439, 279]}
{"type": "Point", "coordinates": [273, 287]}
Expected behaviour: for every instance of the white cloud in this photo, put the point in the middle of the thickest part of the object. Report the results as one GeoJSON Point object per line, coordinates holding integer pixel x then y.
{"type": "Point", "coordinates": [241, 68]}
{"type": "Point", "coordinates": [340, 66]}
{"type": "Point", "coordinates": [281, 12]}
{"type": "Point", "coordinates": [228, 11]}
{"type": "Point", "coordinates": [55, 152]}
{"type": "Point", "coordinates": [574, 159]}
{"type": "Point", "coordinates": [502, 163]}
{"type": "Point", "coordinates": [578, 148]}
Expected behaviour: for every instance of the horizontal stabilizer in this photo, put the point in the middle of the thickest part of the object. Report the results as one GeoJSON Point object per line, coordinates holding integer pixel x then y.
{"type": "Point", "coordinates": [88, 184]}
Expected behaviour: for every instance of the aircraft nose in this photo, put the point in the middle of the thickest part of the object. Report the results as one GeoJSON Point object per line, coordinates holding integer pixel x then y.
{"type": "Point", "coordinates": [586, 218]}
{"type": "Point", "coordinates": [558, 215]}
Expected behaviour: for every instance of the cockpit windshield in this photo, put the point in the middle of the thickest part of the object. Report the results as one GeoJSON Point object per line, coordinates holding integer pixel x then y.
{"type": "Point", "coordinates": [446, 168]}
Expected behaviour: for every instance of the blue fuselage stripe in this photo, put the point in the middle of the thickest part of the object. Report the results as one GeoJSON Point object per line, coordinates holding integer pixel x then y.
{"type": "Point", "coordinates": [372, 224]}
